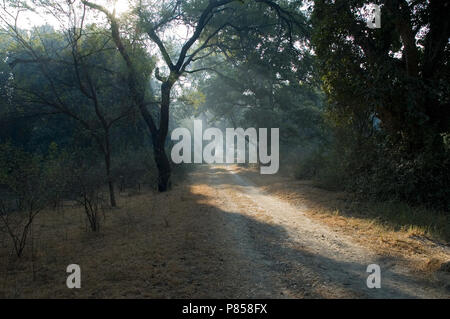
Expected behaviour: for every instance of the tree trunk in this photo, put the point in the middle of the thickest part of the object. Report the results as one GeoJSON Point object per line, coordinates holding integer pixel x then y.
{"type": "Point", "coordinates": [163, 165]}
{"type": "Point", "coordinates": [112, 196]}
{"type": "Point", "coordinates": [159, 140]}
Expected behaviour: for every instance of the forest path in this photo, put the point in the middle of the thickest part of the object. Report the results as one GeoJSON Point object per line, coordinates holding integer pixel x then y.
{"type": "Point", "coordinates": [277, 251]}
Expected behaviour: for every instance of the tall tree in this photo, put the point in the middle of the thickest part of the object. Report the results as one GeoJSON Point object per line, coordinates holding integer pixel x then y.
{"type": "Point", "coordinates": [75, 72]}
{"type": "Point", "coordinates": [388, 94]}
{"type": "Point", "coordinates": [399, 72]}
{"type": "Point", "coordinates": [205, 21]}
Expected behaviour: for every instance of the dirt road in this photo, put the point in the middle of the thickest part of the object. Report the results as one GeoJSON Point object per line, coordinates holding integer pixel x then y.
{"type": "Point", "coordinates": [219, 233]}
{"type": "Point", "coordinates": [272, 249]}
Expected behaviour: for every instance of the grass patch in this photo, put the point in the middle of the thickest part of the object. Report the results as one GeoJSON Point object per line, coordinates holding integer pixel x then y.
{"type": "Point", "coordinates": [400, 216]}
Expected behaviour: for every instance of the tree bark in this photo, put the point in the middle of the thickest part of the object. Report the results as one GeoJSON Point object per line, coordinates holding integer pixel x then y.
{"type": "Point", "coordinates": [107, 152]}
{"type": "Point", "coordinates": [112, 196]}
{"type": "Point", "coordinates": [163, 165]}
{"type": "Point", "coordinates": [161, 159]}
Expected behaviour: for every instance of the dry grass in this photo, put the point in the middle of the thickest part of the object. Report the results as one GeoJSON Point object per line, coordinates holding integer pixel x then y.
{"type": "Point", "coordinates": [152, 246]}
{"type": "Point", "coordinates": [139, 252]}
{"type": "Point", "coordinates": [62, 237]}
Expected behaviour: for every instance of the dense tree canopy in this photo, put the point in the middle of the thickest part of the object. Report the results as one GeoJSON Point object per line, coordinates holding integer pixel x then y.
{"type": "Point", "coordinates": [354, 104]}
{"type": "Point", "coordinates": [390, 84]}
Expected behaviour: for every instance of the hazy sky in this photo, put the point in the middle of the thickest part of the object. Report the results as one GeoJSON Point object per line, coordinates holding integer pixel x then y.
{"type": "Point", "coordinates": [27, 19]}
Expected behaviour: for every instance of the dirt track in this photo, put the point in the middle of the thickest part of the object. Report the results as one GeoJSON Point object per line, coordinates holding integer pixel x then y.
{"type": "Point", "coordinates": [273, 249]}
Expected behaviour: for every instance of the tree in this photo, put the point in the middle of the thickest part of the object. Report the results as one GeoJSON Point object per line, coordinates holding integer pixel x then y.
{"type": "Point", "coordinates": [398, 73]}
{"type": "Point", "coordinates": [206, 21]}
{"type": "Point", "coordinates": [388, 94]}
{"type": "Point", "coordinates": [75, 72]}
{"type": "Point", "coordinates": [264, 78]}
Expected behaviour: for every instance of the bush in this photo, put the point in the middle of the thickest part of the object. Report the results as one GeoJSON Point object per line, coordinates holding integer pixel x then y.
{"type": "Point", "coordinates": [310, 165]}
{"type": "Point", "coordinates": [133, 168]}
{"type": "Point", "coordinates": [24, 193]}
{"type": "Point", "coordinates": [85, 185]}
{"type": "Point", "coordinates": [374, 168]}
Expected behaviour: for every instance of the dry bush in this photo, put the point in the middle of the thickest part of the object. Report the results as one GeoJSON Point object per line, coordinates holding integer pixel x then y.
{"type": "Point", "coordinates": [85, 187]}
{"type": "Point", "coordinates": [135, 168]}
{"type": "Point", "coordinates": [24, 193]}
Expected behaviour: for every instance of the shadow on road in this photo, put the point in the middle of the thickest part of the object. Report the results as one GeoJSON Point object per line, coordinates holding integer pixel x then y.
{"type": "Point", "coordinates": [259, 260]}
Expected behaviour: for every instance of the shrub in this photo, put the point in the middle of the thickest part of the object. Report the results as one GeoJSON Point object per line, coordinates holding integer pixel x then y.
{"type": "Point", "coordinates": [24, 193]}
{"type": "Point", "coordinates": [374, 168]}
{"type": "Point", "coordinates": [133, 168]}
{"type": "Point", "coordinates": [85, 186]}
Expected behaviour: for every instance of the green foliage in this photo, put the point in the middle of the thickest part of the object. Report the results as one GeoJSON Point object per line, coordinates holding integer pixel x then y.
{"type": "Point", "coordinates": [378, 170]}
{"type": "Point", "coordinates": [22, 174]}
{"type": "Point", "coordinates": [134, 168]}
{"type": "Point", "coordinates": [262, 76]}
{"type": "Point", "coordinates": [387, 98]}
